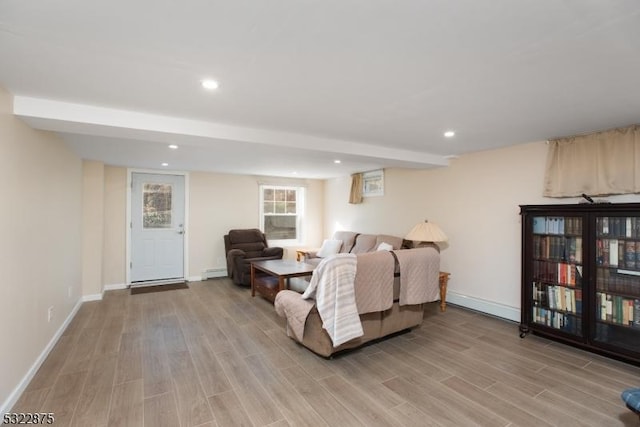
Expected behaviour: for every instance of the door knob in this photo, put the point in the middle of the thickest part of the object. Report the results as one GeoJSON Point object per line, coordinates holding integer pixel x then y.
{"type": "Point", "coordinates": [181, 232]}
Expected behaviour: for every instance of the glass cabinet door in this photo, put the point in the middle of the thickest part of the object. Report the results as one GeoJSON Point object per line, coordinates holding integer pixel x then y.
{"type": "Point", "coordinates": [617, 297]}
{"type": "Point", "coordinates": [557, 273]}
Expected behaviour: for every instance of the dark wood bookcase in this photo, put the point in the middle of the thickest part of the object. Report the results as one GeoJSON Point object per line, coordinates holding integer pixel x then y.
{"type": "Point", "coordinates": [581, 276]}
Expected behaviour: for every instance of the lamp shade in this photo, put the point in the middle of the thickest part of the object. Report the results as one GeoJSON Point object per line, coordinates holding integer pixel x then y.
{"type": "Point", "coordinates": [426, 232]}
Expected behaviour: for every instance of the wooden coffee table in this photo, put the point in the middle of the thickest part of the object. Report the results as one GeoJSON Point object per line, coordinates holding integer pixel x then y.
{"type": "Point", "coordinates": [272, 276]}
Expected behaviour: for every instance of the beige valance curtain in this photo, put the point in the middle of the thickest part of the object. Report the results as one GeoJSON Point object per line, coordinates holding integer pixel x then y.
{"type": "Point", "coordinates": [355, 196]}
{"type": "Point", "coordinates": [597, 164]}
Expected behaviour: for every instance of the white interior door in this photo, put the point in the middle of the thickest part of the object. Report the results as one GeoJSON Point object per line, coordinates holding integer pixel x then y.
{"type": "Point", "coordinates": [157, 228]}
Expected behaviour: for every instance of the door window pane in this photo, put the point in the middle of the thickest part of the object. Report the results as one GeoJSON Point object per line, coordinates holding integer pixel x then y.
{"type": "Point", "coordinates": [156, 209]}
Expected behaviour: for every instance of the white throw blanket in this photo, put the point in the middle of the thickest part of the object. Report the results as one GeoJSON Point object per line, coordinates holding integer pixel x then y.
{"type": "Point", "coordinates": [332, 285]}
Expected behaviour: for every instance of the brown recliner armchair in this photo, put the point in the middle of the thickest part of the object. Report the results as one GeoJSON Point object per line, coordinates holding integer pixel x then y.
{"type": "Point", "coordinates": [244, 246]}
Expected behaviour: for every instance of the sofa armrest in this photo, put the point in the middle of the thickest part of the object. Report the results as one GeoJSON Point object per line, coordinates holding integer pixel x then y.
{"type": "Point", "coordinates": [309, 254]}
{"type": "Point", "coordinates": [291, 306]}
{"type": "Point", "coordinates": [235, 253]}
{"type": "Point", "coordinates": [234, 259]}
{"type": "Point", "coordinates": [273, 252]}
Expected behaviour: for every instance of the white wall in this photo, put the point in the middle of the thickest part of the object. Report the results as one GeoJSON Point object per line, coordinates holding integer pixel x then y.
{"type": "Point", "coordinates": [476, 202]}
{"type": "Point", "coordinates": [40, 245]}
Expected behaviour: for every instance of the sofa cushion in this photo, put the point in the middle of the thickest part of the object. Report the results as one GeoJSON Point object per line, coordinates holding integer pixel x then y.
{"type": "Point", "coordinates": [364, 243]}
{"type": "Point", "coordinates": [348, 239]}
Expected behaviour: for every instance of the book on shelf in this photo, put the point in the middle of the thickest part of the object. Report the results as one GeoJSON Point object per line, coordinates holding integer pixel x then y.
{"type": "Point", "coordinates": [606, 255]}
{"type": "Point", "coordinates": [539, 225]}
{"type": "Point", "coordinates": [614, 226]}
{"type": "Point", "coordinates": [572, 275]}
{"type": "Point", "coordinates": [562, 273]}
{"type": "Point", "coordinates": [618, 309]}
{"type": "Point", "coordinates": [602, 307]}
{"type": "Point", "coordinates": [550, 225]}
{"type": "Point", "coordinates": [562, 321]}
{"type": "Point", "coordinates": [574, 249]}
{"type": "Point", "coordinates": [613, 252]}
{"type": "Point", "coordinates": [630, 254]}
{"type": "Point", "coordinates": [624, 307]}
{"type": "Point", "coordinates": [599, 252]}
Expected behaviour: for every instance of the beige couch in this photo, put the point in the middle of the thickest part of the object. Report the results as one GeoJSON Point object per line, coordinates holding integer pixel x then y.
{"type": "Point", "coordinates": [303, 318]}
{"type": "Point", "coordinates": [356, 243]}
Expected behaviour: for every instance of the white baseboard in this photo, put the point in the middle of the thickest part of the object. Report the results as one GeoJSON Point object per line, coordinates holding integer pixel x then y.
{"type": "Point", "coordinates": [212, 273]}
{"type": "Point", "coordinates": [489, 307]}
{"type": "Point", "coordinates": [22, 385]}
{"type": "Point", "coordinates": [94, 297]}
{"type": "Point", "coordinates": [114, 287]}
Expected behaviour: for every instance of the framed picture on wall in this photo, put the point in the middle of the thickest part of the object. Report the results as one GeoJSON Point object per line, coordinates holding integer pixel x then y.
{"type": "Point", "coordinates": [373, 183]}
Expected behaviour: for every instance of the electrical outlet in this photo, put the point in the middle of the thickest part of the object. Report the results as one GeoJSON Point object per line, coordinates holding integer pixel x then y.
{"type": "Point", "coordinates": [70, 291]}
{"type": "Point", "coordinates": [50, 314]}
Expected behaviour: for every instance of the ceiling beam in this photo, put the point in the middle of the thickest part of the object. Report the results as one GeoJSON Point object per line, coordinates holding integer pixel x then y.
{"type": "Point", "coordinates": [85, 119]}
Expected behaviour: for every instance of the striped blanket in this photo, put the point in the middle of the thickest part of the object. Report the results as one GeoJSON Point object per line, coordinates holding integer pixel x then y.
{"type": "Point", "coordinates": [332, 286]}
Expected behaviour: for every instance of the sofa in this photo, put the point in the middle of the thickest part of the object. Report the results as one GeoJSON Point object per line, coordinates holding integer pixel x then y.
{"type": "Point", "coordinates": [243, 246]}
{"type": "Point", "coordinates": [354, 243]}
{"type": "Point", "coordinates": [393, 311]}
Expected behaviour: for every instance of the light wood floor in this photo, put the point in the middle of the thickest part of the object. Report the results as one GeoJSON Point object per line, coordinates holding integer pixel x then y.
{"type": "Point", "coordinates": [212, 355]}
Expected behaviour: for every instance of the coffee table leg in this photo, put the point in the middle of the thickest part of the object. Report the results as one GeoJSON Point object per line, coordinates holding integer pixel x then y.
{"type": "Point", "coordinates": [253, 279]}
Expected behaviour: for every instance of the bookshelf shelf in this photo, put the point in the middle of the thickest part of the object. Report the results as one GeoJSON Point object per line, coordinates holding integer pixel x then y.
{"type": "Point", "coordinates": [581, 276]}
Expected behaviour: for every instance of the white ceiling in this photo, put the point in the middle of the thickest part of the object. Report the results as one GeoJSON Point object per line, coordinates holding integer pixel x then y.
{"type": "Point", "coordinates": [302, 83]}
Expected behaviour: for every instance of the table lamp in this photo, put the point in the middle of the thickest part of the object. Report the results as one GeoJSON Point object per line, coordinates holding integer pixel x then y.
{"type": "Point", "coordinates": [427, 234]}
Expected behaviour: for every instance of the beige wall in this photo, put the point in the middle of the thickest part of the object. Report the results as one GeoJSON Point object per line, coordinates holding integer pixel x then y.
{"type": "Point", "coordinates": [115, 218]}
{"type": "Point", "coordinates": [92, 226]}
{"type": "Point", "coordinates": [220, 202]}
{"type": "Point", "coordinates": [475, 201]}
{"type": "Point", "coordinates": [40, 247]}
{"type": "Point", "coordinates": [217, 203]}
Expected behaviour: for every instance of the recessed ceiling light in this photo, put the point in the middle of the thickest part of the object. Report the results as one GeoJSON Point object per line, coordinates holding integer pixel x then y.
{"type": "Point", "coordinates": [165, 164]}
{"type": "Point", "coordinates": [294, 173]}
{"type": "Point", "coordinates": [337, 162]}
{"type": "Point", "coordinates": [449, 134]}
{"type": "Point", "coordinates": [173, 146]}
{"type": "Point", "coordinates": [210, 84]}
